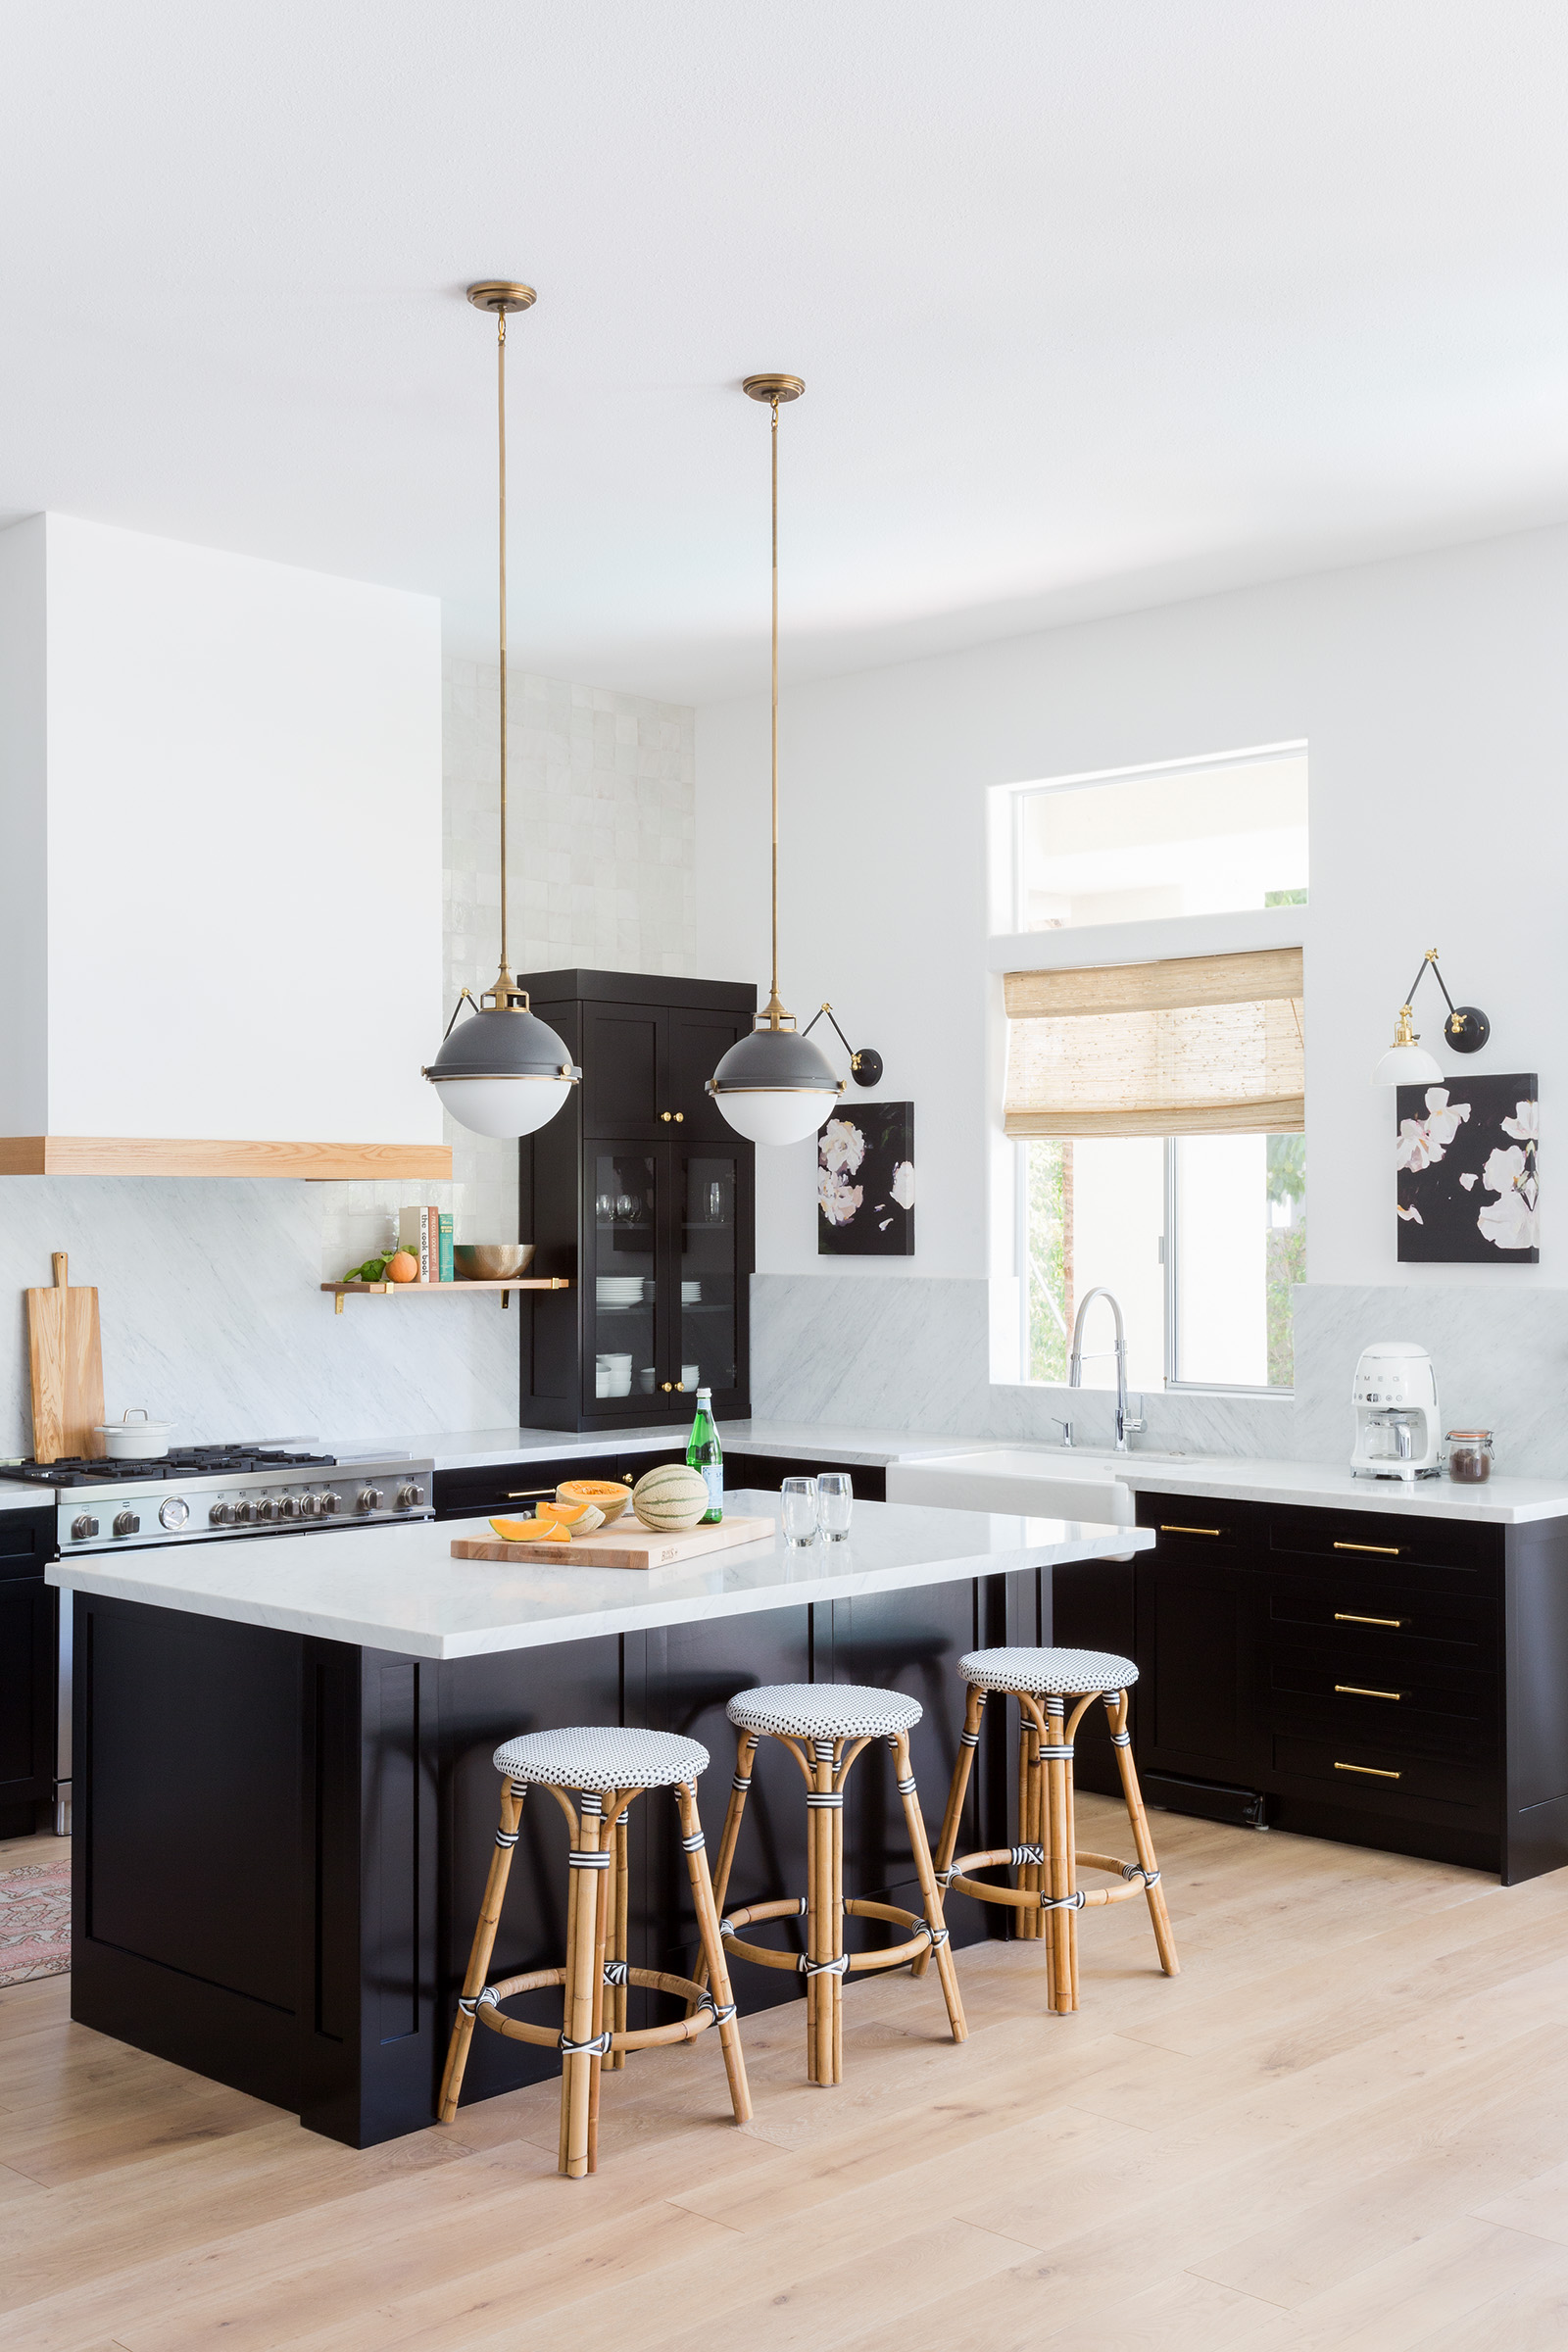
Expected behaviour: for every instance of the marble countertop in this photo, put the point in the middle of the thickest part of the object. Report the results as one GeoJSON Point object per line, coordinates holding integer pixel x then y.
{"type": "Point", "coordinates": [1498, 1503]}
{"type": "Point", "coordinates": [481, 1449]}
{"type": "Point", "coordinates": [398, 1588]}
{"type": "Point", "coordinates": [25, 1498]}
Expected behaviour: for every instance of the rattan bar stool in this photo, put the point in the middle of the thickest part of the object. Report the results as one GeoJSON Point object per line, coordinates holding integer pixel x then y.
{"type": "Point", "coordinates": [1048, 1897]}
{"type": "Point", "coordinates": [825, 1726]}
{"type": "Point", "coordinates": [605, 1770]}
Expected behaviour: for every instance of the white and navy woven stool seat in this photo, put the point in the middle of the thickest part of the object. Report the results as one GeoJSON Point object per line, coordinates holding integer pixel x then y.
{"type": "Point", "coordinates": [825, 1726]}
{"type": "Point", "coordinates": [1046, 1897]}
{"type": "Point", "coordinates": [604, 1770]}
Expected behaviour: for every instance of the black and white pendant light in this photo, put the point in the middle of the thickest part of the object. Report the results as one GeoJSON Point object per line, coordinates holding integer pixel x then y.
{"type": "Point", "coordinates": [503, 1071]}
{"type": "Point", "coordinates": [775, 1086]}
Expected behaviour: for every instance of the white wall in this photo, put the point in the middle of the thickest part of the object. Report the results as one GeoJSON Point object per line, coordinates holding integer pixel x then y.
{"type": "Point", "coordinates": [1431, 693]}
{"type": "Point", "coordinates": [24, 831]}
{"type": "Point", "coordinates": [244, 845]}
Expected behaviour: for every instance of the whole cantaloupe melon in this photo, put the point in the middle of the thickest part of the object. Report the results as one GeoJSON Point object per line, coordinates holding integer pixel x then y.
{"type": "Point", "coordinates": [671, 1498]}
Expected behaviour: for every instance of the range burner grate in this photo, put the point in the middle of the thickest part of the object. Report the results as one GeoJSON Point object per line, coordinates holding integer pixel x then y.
{"type": "Point", "coordinates": [181, 1461]}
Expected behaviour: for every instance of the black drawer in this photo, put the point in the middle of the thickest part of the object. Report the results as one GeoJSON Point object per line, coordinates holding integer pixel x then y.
{"type": "Point", "coordinates": [767, 1472]}
{"type": "Point", "coordinates": [1371, 1776]}
{"type": "Point", "coordinates": [1383, 1626]}
{"type": "Point", "coordinates": [1372, 1539]}
{"type": "Point", "coordinates": [26, 1541]}
{"type": "Point", "coordinates": [1182, 1520]}
{"type": "Point", "coordinates": [1425, 1715]}
{"type": "Point", "coordinates": [516, 1486]}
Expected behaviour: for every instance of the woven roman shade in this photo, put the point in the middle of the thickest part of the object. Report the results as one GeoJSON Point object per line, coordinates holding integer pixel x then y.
{"type": "Point", "coordinates": [1200, 1045]}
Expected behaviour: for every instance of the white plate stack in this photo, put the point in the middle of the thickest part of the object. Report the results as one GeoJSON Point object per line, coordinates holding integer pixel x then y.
{"type": "Point", "coordinates": [691, 1294]}
{"type": "Point", "coordinates": [618, 1290]}
{"type": "Point", "coordinates": [612, 1375]}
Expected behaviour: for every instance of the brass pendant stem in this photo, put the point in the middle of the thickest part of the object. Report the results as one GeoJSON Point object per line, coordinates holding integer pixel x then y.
{"type": "Point", "coordinates": [500, 440]}
{"type": "Point", "coordinates": [772, 1002]}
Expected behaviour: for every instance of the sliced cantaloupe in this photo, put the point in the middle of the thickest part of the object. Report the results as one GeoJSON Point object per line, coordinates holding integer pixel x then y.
{"type": "Point", "coordinates": [606, 1494]}
{"type": "Point", "coordinates": [581, 1517]}
{"type": "Point", "coordinates": [531, 1530]}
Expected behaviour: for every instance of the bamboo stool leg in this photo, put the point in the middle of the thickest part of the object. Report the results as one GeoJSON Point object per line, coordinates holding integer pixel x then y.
{"type": "Point", "coordinates": [729, 1838]}
{"type": "Point", "coordinates": [1062, 1875]}
{"type": "Point", "coordinates": [1070, 1846]}
{"type": "Point", "coordinates": [1159, 1917]}
{"type": "Point", "coordinates": [484, 1937]}
{"type": "Point", "coordinates": [824, 1921]}
{"type": "Point", "coordinates": [836, 1820]}
{"type": "Point", "coordinates": [617, 1940]}
{"type": "Point", "coordinates": [723, 1999]}
{"type": "Point", "coordinates": [958, 1792]}
{"type": "Point", "coordinates": [603, 1912]}
{"type": "Point", "coordinates": [579, 2066]}
{"type": "Point", "coordinates": [941, 1941]}
{"type": "Point", "coordinates": [1033, 1830]}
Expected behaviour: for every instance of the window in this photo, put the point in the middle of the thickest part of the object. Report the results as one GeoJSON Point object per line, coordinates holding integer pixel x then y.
{"type": "Point", "coordinates": [1159, 1115]}
{"type": "Point", "coordinates": [1204, 837]}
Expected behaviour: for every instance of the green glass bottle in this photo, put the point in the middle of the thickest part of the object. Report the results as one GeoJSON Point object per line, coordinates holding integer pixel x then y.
{"type": "Point", "coordinates": [705, 1454]}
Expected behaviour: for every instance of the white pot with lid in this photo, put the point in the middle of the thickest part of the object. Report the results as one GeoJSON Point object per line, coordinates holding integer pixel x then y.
{"type": "Point", "coordinates": [134, 1438]}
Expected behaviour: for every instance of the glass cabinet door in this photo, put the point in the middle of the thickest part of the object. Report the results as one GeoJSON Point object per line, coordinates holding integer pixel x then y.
{"type": "Point", "coordinates": [622, 1363]}
{"type": "Point", "coordinates": [711, 1274]}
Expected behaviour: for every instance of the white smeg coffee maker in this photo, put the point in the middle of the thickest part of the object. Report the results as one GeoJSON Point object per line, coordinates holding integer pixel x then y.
{"type": "Point", "coordinates": [1397, 1422]}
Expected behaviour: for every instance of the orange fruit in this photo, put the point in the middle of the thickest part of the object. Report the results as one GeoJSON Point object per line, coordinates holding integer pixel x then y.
{"type": "Point", "coordinates": [400, 1266]}
{"type": "Point", "coordinates": [531, 1530]}
{"type": "Point", "coordinates": [606, 1495]}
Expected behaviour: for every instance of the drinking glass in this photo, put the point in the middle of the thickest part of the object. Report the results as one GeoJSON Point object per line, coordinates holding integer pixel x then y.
{"type": "Point", "coordinates": [800, 1511]}
{"type": "Point", "coordinates": [835, 1501]}
{"type": "Point", "coordinates": [716, 1204]}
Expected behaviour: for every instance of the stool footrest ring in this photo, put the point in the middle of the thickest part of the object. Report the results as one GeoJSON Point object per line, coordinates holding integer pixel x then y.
{"type": "Point", "coordinates": [643, 2037]}
{"type": "Point", "coordinates": [923, 1938]}
{"type": "Point", "coordinates": [1020, 1898]}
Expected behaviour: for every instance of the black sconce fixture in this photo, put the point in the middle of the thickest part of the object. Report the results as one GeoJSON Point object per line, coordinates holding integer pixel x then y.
{"type": "Point", "coordinates": [865, 1066]}
{"type": "Point", "coordinates": [1407, 1063]}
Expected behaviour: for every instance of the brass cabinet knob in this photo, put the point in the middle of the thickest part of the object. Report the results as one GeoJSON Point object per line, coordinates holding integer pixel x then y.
{"type": "Point", "coordinates": [666, 1385]}
{"type": "Point", "coordinates": [679, 1117]}
{"type": "Point", "coordinates": [666, 1116]}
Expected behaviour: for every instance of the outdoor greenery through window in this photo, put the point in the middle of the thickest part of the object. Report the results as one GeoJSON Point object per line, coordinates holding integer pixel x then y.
{"type": "Point", "coordinates": [1201, 1238]}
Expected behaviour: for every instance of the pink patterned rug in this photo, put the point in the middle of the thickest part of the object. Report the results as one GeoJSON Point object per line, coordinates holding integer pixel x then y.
{"type": "Point", "coordinates": [34, 1922]}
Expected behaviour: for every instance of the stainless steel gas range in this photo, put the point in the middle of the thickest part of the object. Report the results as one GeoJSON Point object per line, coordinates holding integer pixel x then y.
{"type": "Point", "coordinates": [203, 1493]}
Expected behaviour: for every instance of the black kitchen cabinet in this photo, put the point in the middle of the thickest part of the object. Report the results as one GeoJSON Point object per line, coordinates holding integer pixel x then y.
{"type": "Point", "coordinates": [519, 1486]}
{"type": "Point", "coordinates": [27, 1670]}
{"type": "Point", "coordinates": [643, 1196]}
{"type": "Point", "coordinates": [1398, 1682]}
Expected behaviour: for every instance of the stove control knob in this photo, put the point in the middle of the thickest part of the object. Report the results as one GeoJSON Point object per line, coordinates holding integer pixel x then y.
{"type": "Point", "coordinates": [82, 1528]}
{"type": "Point", "coordinates": [173, 1511]}
{"type": "Point", "coordinates": [242, 1514]}
{"type": "Point", "coordinates": [263, 1510]}
{"type": "Point", "coordinates": [221, 1515]}
{"type": "Point", "coordinates": [287, 1507]}
{"type": "Point", "coordinates": [409, 1497]}
{"type": "Point", "coordinates": [310, 1504]}
{"type": "Point", "coordinates": [126, 1523]}
{"type": "Point", "coordinates": [370, 1499]}
{"type": "Point", "coordinates": [330, 1502]}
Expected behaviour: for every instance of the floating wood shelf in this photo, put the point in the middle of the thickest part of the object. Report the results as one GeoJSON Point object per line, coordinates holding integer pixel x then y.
{"type": "Point", "coordinates": [440, 1289]}
{"type": "Point", "coordinates": [146, 1155]}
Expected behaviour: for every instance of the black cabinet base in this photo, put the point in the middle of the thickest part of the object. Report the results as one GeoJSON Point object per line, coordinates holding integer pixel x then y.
{"type": "Point", "coordinates": [281, 1842]}
{"type": "Point", "coordinates": [1210, 1801]}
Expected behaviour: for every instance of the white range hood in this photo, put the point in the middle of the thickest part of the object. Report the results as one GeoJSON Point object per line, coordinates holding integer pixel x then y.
{"type": "Point", "coordinates": [219, 863]}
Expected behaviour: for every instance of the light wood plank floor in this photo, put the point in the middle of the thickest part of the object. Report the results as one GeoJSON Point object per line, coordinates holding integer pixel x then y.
{"type": "Point", "coordinates": [1345, 2124]}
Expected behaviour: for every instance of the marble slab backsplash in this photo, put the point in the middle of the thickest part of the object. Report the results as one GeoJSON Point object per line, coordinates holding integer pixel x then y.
{"type": "Point", "coordinates": [913, 1354]}
{"type": "Point", "coordinates": [212, 1317]}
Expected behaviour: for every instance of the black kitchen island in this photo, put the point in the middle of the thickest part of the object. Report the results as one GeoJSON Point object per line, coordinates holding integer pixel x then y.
{"type": "Point", "coordinates": [285, 1801]}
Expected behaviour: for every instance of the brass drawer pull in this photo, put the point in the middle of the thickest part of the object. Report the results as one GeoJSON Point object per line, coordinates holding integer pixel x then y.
{"type": "Point", "coordinates": [1387, 1551]}
{"type": "Point", "coordinates": [1191, 1531]}
{"type": "Point", "coordinates": [1353, 1617]}
{"type": "Point", "coordinates": [1373, 1772]}
{"type": "Point", "coordinates": [1361, 1690]}
{"type": "Point", "coordinates": [531, 1495]}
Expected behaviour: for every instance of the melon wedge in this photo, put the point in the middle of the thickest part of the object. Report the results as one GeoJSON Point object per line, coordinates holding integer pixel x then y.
{"type": "Point", "coordinates": [606, 1495]}
{"type": "Point", "coordinates": [530, 1531]}
{"type": "Point", "coordinates": [581, 1517]}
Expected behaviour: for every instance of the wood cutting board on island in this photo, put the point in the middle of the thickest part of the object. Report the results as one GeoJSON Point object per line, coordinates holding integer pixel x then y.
{"type": "Point", "coordinates": [621, 1548]}
{"type": "Point", "coordinates": [65, 1359]}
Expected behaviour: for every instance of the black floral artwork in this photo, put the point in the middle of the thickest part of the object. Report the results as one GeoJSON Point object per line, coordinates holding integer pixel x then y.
{"type": "Point", "coordinates": [866, 1182]}
{"type": "Point", "coordinates": [1468, 1186]}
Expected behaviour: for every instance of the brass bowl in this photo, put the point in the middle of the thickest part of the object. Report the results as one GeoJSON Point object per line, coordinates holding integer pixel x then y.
{"type": "Point", "coordinates": [491, 1262]}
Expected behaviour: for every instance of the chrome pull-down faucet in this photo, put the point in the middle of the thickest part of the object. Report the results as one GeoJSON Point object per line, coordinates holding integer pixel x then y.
{"type": "Point", "coordinates": [1075, 1362]}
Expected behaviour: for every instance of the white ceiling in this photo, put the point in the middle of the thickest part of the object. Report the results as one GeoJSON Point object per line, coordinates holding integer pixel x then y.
{"type": "Point", "coordinates": [1096, 303]}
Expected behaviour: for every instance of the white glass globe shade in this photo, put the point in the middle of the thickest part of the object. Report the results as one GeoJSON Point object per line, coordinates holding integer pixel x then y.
{"type": "Point", "coordinates": [504, 1107]}
{"type": "Point", "coordinates": [765, 1117]}
{"type": "Point", "coordinates": [1407, 1065]}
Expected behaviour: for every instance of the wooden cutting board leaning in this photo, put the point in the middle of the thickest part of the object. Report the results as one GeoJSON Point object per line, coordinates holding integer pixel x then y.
{"type": "Point", "coordinates": [65, 1358]}
{"type": "Point", "coordinates": [619, 1548]}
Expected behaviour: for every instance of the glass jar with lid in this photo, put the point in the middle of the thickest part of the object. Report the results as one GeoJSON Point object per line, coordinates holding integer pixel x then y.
{"type": "Point", "coordinates": [1470, 1453]}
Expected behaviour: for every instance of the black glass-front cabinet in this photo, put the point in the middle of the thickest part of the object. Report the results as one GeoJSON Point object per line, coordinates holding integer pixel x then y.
{"type": "Point", "coordinates": [641, 1194]}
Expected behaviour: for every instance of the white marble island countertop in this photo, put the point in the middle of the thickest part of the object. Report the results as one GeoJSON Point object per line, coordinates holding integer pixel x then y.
{"type": "Point", "coordinates": [398, 1588]}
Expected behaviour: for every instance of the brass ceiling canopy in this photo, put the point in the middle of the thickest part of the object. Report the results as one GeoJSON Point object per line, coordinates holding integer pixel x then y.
{"type": "Point", "coordinates": [771, 387]}
{"type": "Point", "coordinates": [503, 295]}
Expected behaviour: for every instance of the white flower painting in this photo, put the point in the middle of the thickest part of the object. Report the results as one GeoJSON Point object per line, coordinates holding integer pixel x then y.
{"type": "Point", "coordinates": [1467, 1177]}
{"type": "Point", "coordinates": [866, 1182]}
